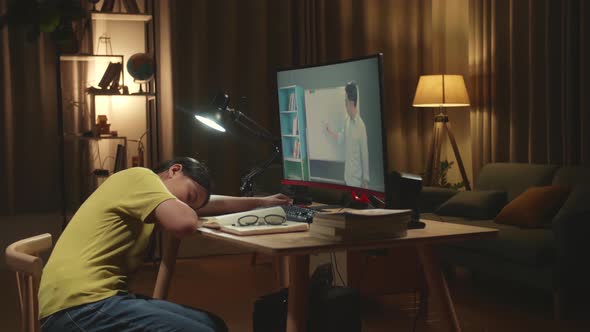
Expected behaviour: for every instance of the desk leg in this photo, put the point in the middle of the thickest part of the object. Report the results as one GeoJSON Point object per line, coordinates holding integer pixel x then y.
{"type": "Point", "coordinates": [437, 284]}
{"type": "Point", "coordinates": [170, 251]}
{"type": "Point", "coordinates": [298, 293]}
{"type": "Point", "coordinates": [281, 266]}
{"type": "Point", "coordinates": [354, 268]}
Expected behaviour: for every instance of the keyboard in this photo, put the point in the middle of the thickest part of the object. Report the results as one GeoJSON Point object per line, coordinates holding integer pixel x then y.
{"type": "Point", "coordinates": [299, 213]}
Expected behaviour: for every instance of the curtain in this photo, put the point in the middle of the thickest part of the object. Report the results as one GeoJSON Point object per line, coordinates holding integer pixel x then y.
{"type": "Point", "coordinates": [29, 161]}
{"type": "Point", "coordinates": [530, 73]}
{"type": "Point", "coordinates": [236, 46]}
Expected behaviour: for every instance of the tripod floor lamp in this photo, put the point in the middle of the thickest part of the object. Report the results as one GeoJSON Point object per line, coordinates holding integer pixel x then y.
{"type": "Point", "coordinates": [441, 91]}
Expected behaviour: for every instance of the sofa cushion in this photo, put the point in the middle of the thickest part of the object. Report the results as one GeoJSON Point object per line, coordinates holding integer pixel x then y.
{"type": "Point", "coordinates": [533, 247]}
{"type": "Point", "coordinates": [533, 208]}
{"type": "Point", "coordinates": [572, 176]}
{"type": "Point", "coordinates": [577, 203]}
{"type": "Point", "coordinates": [478, 204]}
{"type": "Point", "coordinates": [432, 197]}
{"type": "Point", "coordinates": [514, 178]}
{"type": "Point", "coordinates": [578, 178]}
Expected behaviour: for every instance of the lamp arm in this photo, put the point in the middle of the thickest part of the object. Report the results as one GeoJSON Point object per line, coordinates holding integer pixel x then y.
{"type": "Point", "coordinates": [252, 126]}
{"type": "Point", "coordinates": [247, 181]}
{"type": "Point", "coordinates": [247, 185]}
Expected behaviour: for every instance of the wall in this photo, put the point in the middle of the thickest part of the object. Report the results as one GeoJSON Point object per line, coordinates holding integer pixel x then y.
{"type": "Point", "coordinates": [19, 227]}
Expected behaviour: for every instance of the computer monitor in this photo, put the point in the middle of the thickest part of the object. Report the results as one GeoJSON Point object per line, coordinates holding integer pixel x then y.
{"type": "Point", "coordinates": [331, 119]}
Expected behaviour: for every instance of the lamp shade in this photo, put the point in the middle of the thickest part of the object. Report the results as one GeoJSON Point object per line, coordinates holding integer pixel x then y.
{"type": "Point", "coordinates": [210, 121]}
{"type": "Point", "coordinates": [441, 91]}
{"type": "Point", "coordinates": [213, 115]}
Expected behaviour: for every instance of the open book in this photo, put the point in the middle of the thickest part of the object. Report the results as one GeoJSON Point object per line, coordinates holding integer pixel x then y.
{"type": "Point", "coordinates": [229, 223]}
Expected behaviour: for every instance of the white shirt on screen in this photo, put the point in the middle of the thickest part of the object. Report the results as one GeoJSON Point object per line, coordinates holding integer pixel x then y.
{"type": "Point", "coordinates": [356, 164]}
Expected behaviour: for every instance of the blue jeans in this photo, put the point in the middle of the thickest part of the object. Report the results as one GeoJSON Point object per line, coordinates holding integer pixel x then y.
{"type": "Point", "coordinates": [132, 313]}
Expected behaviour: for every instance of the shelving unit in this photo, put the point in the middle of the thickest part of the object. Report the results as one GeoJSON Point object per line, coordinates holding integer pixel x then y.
{"type": "Point", "coordinates": [133, 116]}
{"type": "Point", "coordinates": [293, 133]}
{"type": "Point", "coordinates": [98, 16]}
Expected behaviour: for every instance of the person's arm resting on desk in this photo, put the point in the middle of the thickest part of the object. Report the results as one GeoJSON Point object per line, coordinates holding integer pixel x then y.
{"type": "Point", "coordinates": [177, 217]}
{"type": "Point", "coordinates": [219, 204]}
{"type": "Point", "coordinates": [188, 181]}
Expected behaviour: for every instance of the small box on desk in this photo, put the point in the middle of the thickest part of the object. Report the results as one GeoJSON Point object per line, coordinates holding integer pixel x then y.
{"type": "Point", "coordinates": [403, 192]}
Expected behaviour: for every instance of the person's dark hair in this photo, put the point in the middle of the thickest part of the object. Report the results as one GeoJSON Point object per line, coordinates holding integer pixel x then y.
{"type": "Point", "coordinates": [192, 168]}
{"type": "Point", "coordinates": [351, 91]}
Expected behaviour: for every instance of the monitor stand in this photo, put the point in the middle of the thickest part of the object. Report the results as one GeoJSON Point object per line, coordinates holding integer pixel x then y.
{"type": "Point", "coordinates": [361, 201]}
{"type": "Point", "coordinates": [301, 195]}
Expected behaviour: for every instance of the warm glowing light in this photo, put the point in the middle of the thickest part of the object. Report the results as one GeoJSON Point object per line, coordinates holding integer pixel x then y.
{"type": "Point", "coordinates": [210, 123]}
{"type": "Point", "coordinates": [441, 91]}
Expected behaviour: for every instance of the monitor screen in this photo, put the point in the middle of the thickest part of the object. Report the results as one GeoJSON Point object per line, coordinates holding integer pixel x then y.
{"type": "Point", "coordinates": [331, 119]}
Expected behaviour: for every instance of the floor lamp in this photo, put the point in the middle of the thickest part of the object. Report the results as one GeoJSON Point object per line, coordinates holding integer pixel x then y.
{"type": "Point", "coordinates": [441, 91]}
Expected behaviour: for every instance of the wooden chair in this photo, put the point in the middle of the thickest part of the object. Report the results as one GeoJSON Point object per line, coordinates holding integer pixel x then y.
{"type": "Point", "coordinates": [23, 258]}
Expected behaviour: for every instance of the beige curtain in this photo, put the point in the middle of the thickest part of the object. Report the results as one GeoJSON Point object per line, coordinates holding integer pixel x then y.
{"type": "Point", "coordinates": [29, 158]}
{"type": "Point", "coordinates": [237, 45]}
{"type": "Point", "coordinates": [530, 72]}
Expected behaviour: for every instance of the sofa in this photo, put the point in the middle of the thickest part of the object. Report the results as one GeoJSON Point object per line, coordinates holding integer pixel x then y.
{"type": "Point", "coordinates": [550, 258]}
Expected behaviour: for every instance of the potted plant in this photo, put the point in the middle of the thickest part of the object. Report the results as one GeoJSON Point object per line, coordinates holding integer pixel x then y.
{"type": "Point", "coordinates": [445, 165]}
{"type": "Point", "coordinates": [64, 20]}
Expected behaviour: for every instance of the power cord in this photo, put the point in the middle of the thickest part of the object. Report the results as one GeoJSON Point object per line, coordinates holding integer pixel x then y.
{"type": "Point", "coordinates": [333, 255]}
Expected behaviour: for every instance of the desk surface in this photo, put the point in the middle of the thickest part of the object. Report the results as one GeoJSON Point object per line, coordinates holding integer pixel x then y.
{"type": "Point", "coordinates": [300, 243]}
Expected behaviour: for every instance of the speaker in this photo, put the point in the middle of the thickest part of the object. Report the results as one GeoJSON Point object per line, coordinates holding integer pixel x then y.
{"type": "Point", "coordinates": [403, 192]}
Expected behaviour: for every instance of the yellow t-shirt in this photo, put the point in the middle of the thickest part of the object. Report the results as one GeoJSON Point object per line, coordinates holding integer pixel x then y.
{"type": "Point", "coordinates": [103, 243]}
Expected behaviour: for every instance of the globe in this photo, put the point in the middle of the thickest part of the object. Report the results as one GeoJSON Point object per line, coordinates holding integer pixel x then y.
{"type": "Point", "coordinates": [141, 67]}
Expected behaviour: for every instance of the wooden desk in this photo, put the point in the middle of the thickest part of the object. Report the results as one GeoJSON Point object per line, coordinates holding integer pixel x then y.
{"type": "Point", "coordinates": [298, 246]}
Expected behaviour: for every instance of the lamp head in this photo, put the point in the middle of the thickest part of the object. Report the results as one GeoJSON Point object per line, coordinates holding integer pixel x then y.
{"type": "Point", "coordinates": [214, 114]}
{"type": "Point", "coordinates": [441, 91]}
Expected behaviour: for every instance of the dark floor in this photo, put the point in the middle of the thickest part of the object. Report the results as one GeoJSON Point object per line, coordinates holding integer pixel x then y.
{"type": "Point", "coordinates": [229, 285]}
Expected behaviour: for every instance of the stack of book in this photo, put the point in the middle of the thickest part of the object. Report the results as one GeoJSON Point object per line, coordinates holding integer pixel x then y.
{"type": "Point", "coordinates": [109, 83]}
{"type": "Point", "coordinates": [371, 224]}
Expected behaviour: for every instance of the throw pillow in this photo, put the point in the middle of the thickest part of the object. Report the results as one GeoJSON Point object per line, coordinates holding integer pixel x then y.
{"type": "Point", "coordinates": [533, 208]}
{"type": "Point", "coordinates": [483, 204]}
{"type": "Point", "coordinates": [575, 204]}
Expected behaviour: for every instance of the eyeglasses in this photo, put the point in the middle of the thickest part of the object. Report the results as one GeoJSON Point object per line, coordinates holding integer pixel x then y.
{"type": "Point", "coordinates": [271, 219]}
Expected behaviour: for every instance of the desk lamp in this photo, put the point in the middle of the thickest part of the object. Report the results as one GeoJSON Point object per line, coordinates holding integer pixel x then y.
{"type": "Point", "coordinates": [215, 116]}
{"type": "Point", "coordinates": [441, 91]}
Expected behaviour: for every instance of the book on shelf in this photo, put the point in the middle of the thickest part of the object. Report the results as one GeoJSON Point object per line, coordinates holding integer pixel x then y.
{"type": "Point", "coordinates": [111, 75]}
{"type": "Point", "coordinates": [107, 6]}
{"type": "Point", "coordinates": [229, 223]}
{"type": "Point", "coordinates": [349, 224]}
{"type": "Point", "coordinates": [116, 76]}
{"type": "Point", "coordinates": [130, 6]}
{"type": "Point", "coordinates": [296, 147]}
{"type": "Point", "coordinates": [105, 80]}
{"type": "Point", "coordinates": [292, 102]}
{"type": "Point", "coordinates": [120, 158]}
{"type": "Point", "coordinates": [295, 124]}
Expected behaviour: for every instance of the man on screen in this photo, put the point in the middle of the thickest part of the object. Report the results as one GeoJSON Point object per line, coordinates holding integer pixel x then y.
{"type": "Point", "coordinates": [354, 137]}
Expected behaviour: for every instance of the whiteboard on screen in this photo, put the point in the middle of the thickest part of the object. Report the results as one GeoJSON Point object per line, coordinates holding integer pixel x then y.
{"type": "Point", "coordinates": [324, 106]}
